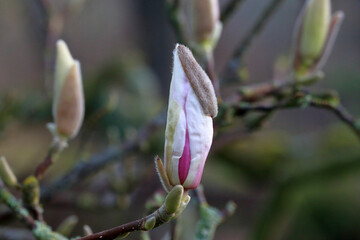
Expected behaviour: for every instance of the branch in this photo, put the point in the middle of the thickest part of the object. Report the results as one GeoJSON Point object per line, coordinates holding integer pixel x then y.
{"type": "Point", "coordinates": [15, 206]}
{"type": "Point", "coordinates": [252, 33]}
{"type": "Point", "coordinates": [229, 9]}
{"type": "Point", "coordinates": [175, 202]}
{"type": "Point", "coordinates": [300, 100]}
{"type": "Point", "coordinates": [86, 168]}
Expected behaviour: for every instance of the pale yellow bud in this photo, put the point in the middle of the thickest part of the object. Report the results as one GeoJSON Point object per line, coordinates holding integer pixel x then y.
{"type": "Point", "coordinates": [315, 29]}
{"type": "Point", "coordinates": [315, 35]}
{"type": "Point", "coordinates": [68, 107]}
{"type": "Point", "coordinates": [6, 174]}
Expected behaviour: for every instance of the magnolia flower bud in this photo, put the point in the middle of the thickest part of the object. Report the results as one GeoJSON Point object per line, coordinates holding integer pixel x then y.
{"type": "Point", "coordinates": [315, 28]}
{"type": "Point", "coordinates": [206, 21]}
{"type": "Point", "coordinates": [189, 129]}
{"type": "Point", "coordinates": [6, 174]}
{"type": "Point", "coordinates": [315, 35]}
{"type": "Point", "coordinates": [68, 105]}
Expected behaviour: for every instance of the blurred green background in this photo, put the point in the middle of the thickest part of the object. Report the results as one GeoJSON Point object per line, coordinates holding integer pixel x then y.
{"type": "Point", "coordinates": [297, 178]}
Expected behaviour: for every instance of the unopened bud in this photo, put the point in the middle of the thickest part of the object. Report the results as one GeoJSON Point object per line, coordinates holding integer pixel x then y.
{"type": "Point", "coordinates": [189, 128]}
{"type": "Point", "coordinates": [31, 191]}
{"type": "Point", "coordinates": [315, 29]}
{"type": "Point", "coordinates": [206, 21]}
{"type": "Point", "coordinates": [6, 173]}
{"type": "Point", "coordinates": [68, 105]}
{"type": "Point", "coordinates": [315, 36]}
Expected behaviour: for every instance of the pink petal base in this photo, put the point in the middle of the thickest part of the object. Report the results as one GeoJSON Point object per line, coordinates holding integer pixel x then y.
{"type": "Point", "coordinates": [185, 160]}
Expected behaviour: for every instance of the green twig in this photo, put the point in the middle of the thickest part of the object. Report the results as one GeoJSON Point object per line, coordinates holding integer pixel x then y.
{"type": "Point", "coordinates": [303, 99]}
{"type": "Point", "coordinates": [15, 206]}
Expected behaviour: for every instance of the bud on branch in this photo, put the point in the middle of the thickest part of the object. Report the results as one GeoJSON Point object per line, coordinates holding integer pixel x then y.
{"type": "Point", "coordinates": [315, 35]}
{"type": "Point", "coordinates": [68, 104]}
{"type": "Point", "coordinates": [189, 129]}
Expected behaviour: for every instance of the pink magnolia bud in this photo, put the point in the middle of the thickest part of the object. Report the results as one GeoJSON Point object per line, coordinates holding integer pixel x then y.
{"type": "Point", "coordinates": [189, 129]}
{"type": "Point", "coordinates": [68, 105]}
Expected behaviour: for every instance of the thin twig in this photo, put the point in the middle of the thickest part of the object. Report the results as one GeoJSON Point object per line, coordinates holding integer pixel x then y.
{"type": "Point", "coordinates": [229, 9]}
{"type": "Point", "coordinates": [15, 206]}
{"type": "Point", "coordinates": [313, 101]}
{"type": "Point", "coordinates": [86, 168]}
{"type": "Point", "coordinates": [252, 33]}
{"type": "Point", "coordinates": [175, 202]}
{"type": "Point", "coordinates": [43, 166]}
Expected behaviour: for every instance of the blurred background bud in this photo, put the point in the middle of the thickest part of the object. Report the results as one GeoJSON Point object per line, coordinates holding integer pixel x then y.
{"type": "Point", "coordinates": [6, 173]}
{"type": "Point", "coordinates": [206, 22]}
{"type": "Point", "coordinates": [315, 36]}
{"type": "Point", "coordinates": [68, 106]}
{"type": "Point", "coordinates": [31, 191]}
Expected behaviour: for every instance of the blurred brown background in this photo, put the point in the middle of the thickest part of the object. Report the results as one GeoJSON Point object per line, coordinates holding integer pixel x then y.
{"type": "Point", "coordinates": [298, 178]}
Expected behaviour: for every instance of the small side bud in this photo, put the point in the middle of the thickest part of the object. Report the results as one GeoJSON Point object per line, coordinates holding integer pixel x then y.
{"type": "Point", "coordinates": [6, 173]}
{"type": "Point", "coordinates": [184, 202]}
{"type": "Point", "coordinates": [31, 191]}
{"type": "Point", "coordinates": [67, 225]}
{"type": "Point", "coordinates": [150, 223]}
{"type": "Point", "coordinates": [173, 199]}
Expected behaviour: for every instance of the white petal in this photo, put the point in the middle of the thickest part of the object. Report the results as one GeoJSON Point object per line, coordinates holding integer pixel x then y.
{"type": "Point", "coordinates": [200, 129]}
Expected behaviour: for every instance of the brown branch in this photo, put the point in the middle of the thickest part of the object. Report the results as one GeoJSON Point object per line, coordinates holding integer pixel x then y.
{"type": "Point", "coordinates": [43, 166]}
{"type": "Point", "coordinates": [115, 232]}
{"type": "Point", "coordinates": [229, 9]}
{"type": "Point", "coordinates": [175, 202]}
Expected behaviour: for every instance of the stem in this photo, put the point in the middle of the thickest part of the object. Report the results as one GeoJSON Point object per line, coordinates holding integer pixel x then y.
{"type": "Point", "coordinates": [48, 161]}
{"type": "Point", "coordinates": [111, 154]}
{"type": "Point", "coordinates": [252, 33]}
{"type": "Point", "coordinates": [229, 10]}
{"type": "Point", "coordinates": [7, 198]}
{"type": "Point", "coordinates": [313, 101]}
